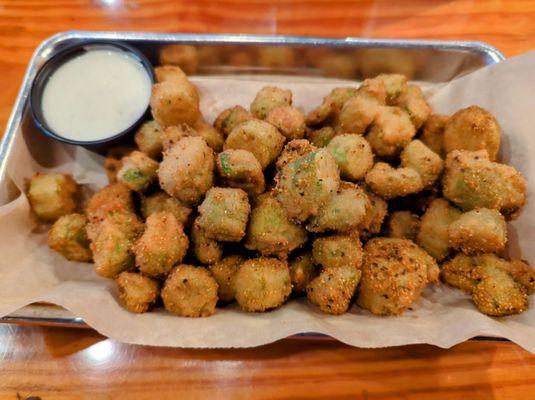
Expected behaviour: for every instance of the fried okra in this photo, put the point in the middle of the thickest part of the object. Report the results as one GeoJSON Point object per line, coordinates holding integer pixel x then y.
{"type": "Point", "coordinates": [240, 169]}
{"type": "Point", "coordinates": [302, 271]}
{"type": "Point", "coordinates": [190, 291]}
{"type": "Point", "coordinates": [522, 273]}
{"type": "Point", "coordinates": [138, 171]}
{"type": "Point", "coordinates": [293, 150]}
{"type": "Point", "coordinates": [162, 245]}
{"type": "Point", "coordinates": [320, 137]}
{"type": "Point", "coordinates": [161, 201]}
{"type": "Point", "coordinates": [113, 197]}
{"type": "Point", "coordinates": [433, 133]}
{"type": "Point", "coordinates": [353, 155]}
{"type": "Point", "coordinates": [183, 55]}
{"type": "Point", "coordinates": [262, 284]}
{"type": "Point", "coordinates": [173, 134]}
{"type": "Point", "coordinates": [358, 113]}
{"type": "Point", "coordinates": [290, 121]}
{"type": "Point", "coordinates": [389, 182]}
{"type": "Point", "coordinates": [373, 222]}
{"type": "Point", "coordinates": [68, 237]}
{"type": "Point", "coordinates": [333, 289]}
{"type": "Point", "coordinates": [112, 240]}
{"type": "Point", "coordinates": [230, 118]}
{"type": "Point", "coordinates": [433, 235]}
{"type": "Point", "coordinates": [269, 98]}
{"type": "Point", "coordinates": [394, 274]}
{"type": "Point", "coordinates": [422, 159]}
{"type": "Point", "coordinates": [187, 170]}
{"type": "Point", "coordinates": [336, 251]}
{"type": "Point", "coordinates": [403, 225]}
{"type": "Point", "coordinates": [473, 128]}
{"type": "Point", "coordinates": [206, 250]}
{"type": "Point", "coordinates": [395, 84]}
{"type": "Point", "coordinates": [136, 291]}
{"type": "Point", "coordinates": [114, 160]}
{"type": "Point", "coordinates": [52, 195]}
{"type": "Point", "coordinates": [497, 294]}
{"type": "Point", "coordinates": [331, 105]}
{"type": "Point", "coordinates": [304, 185]}
{"type": "Point", "coordinates": [478, 231]}
{"type": "Point", "coordinates": [413, 102]}
{"type": "Point", "coordinates": [459, 272]}
{"type": "Point", "coordinates": [212, 136]}
{"type": "Point", "coordinates": [276, 56]}
{"type": "Point", "coordinates": [224, 213]}
{"type": "Point", "coordinates": [223, 272]}
{"type": "Point", "coordinates": [149, 139]}
{"type": "Point", "coordinates": [174, 102]}
{"type": "Point", "coordinates": [259, 137]}
{"type": "Point", "coordinates": [344, 211]}
{"type": "Point", "coordinates": [269, 231]}
{"type": "Point", "coordinates": [471, 181]}
{"type": "Point", "coordinates": [390, 131]}
{"type": "Point", "coordinates": [168, 72]}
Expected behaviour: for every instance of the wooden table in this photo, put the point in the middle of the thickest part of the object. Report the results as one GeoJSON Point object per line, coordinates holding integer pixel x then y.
{"type": "Point", "coordinates": [55, 363]}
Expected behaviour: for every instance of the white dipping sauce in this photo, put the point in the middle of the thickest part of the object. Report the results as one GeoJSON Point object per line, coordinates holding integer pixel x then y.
{"type": "Point", "coordinates": [96, 95]}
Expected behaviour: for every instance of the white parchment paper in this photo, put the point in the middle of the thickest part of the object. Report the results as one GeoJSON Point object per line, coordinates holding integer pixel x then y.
{"type": "Point", "coordinates": [30, 271]}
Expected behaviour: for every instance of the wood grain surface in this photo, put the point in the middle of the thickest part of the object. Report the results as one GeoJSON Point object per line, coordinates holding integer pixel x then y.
{"type": "Point", "coordinates": [53, 363]}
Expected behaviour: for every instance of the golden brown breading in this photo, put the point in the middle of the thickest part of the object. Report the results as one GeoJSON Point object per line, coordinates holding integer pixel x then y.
{"type": "Point", "coordinates": [479, 231]}
{"type": "Point", "coordinates": [290, 121]}
{"type": "Point", "coordinates": [473, 128]}
{"type": "Point", "coordinates": [403, 225]}
{"type": "Point", "coordinates": [302, 271]}
{"type": "Point", "coordinates": [422, 159]}
{"type": "Point", "coordinates": [206, 250]}
{"type": "Point", "coordinates": [259, 137]}
{"type": "Point", "coordinates": [68, 237]}
{"type": "Point", "coordinates": [174, 102]}
{"type": "Point", "coordinates": [353, 155]}
{"type": "Point", "coordinates": [162, 245]}
{"type": "Point", "coordinates": [472, 181]}
{"type": "Point", "coordinates": [344, 211]}
{"type": "Point", "coordinates": [269, 98]}
{"type": "Point", "coordinates": [148, 138]}
{"type": "Point", "coordinates": [269, 231]}
{"type": "Point", "coordinates": [138, 171]}
{"type": "Point", "coordinates": [224, 272]}
{"type": "Point", "coordinates": [240, 169]}
{"type": "Point", "coordinates": [190, 291]}
{"type": "Point", "coordinates": [136, 291]}
{"type": "Point", "coordinates": [389, 182]}
{"type": "Point", "coordinates": [390, 131]}
{"type": "Point", "coordinates": [394, 274]}
{"type": "Point", "coordinates": [433, 133]}
{"type": "Point", "coordinates": [187, 170]}
{"type": "Point", "coordinates": [224, 213]}
{"type": "Point", "coordinates": [161, 201]}
{"type": "Point", "coordinates": [433, 234]}
{"type": "Point", "coordinates": [304, 185]}
{"type": "Point", "coordinates": [262, 284]}
{"type": "Point", "coordinates": [333, 289]}
{"type": "Point", "coordinates": [52, 195]}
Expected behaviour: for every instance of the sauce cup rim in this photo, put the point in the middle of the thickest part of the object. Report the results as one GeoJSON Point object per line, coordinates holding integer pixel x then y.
{"type": "Point", "coordinates": [60, 58]}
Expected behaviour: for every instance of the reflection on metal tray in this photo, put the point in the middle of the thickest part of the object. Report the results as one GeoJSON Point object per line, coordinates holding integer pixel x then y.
{"type": "Point", "coordinates": [349, 58]}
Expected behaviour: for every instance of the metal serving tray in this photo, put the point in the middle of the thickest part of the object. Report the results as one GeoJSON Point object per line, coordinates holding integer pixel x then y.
{"type": "Point", "coordinates": [353, 58]}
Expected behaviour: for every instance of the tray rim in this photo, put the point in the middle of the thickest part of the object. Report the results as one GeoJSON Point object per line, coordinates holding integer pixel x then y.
{"type": "Point", "coordinates": [489, 52]}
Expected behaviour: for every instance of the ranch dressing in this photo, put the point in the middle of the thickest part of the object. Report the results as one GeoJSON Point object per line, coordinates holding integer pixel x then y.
{"type": "Point", "coordinates": [96, 95]}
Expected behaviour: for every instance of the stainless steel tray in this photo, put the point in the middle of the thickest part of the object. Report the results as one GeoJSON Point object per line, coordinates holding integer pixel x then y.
{"type": "Point", "coordinates": [355, 58]}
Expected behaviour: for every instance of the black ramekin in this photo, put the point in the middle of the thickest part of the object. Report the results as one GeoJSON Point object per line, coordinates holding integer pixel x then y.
{"type": "Point", "coordinates": [59, 59]}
